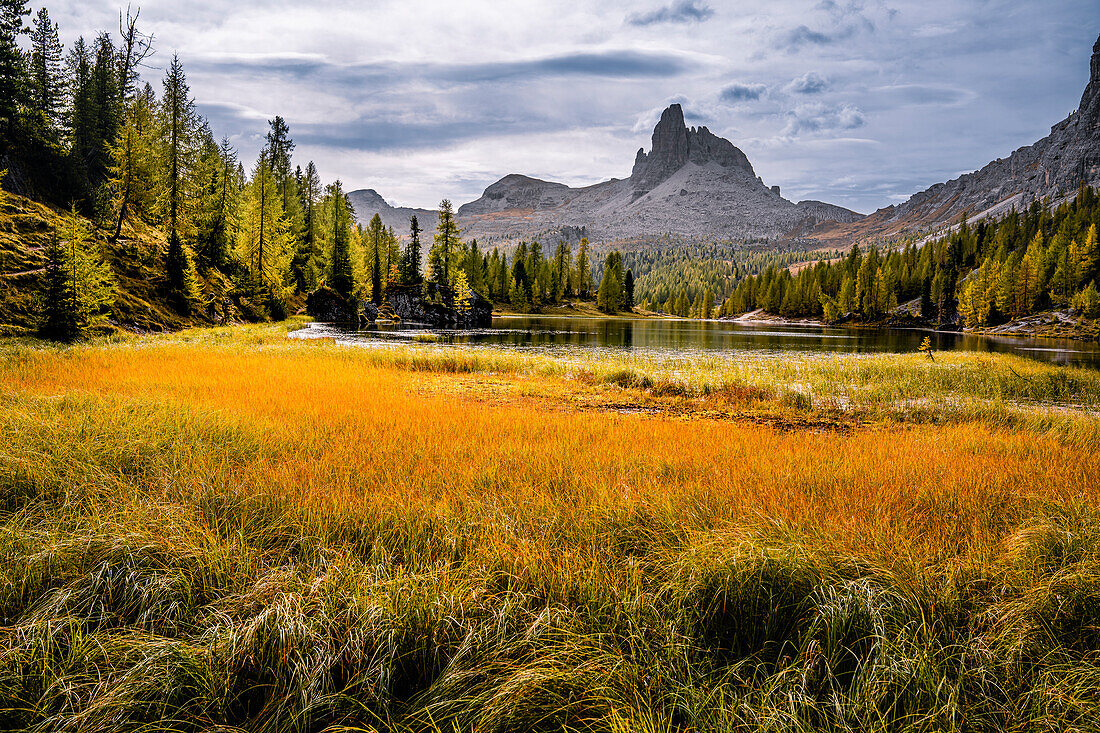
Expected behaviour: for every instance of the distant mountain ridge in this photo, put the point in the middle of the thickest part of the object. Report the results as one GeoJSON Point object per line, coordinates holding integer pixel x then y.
{"type": "Point", "coordinates": [1051, 168]}
{"type": "Point", "coordinates": [699, 186]}
{"type": "Point", "coordinates": [367, 202]}
{"type": "Point", "coordinates": [692, 183]}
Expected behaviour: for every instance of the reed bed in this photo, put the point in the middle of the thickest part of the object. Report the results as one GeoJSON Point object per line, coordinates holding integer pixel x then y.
{"type": "Point", "coordinates": [230, 530]}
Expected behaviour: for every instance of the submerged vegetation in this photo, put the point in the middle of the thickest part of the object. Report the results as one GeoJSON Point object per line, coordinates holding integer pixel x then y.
{"type": "Point", "coordinates": [230, 529]}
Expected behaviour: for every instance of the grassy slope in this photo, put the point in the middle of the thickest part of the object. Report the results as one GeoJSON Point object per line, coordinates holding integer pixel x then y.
{"type": "Point", "coordinates": [227, 528]}
{"type": "Point", "coordinates": [137, 261]}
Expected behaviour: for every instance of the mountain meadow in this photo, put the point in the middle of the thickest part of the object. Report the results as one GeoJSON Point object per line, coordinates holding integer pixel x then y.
{"type": "Point", "coordinates": [212, 520]}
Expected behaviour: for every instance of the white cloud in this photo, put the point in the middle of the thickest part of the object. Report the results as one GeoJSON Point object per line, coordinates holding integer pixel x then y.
{"type": "Point", "coordinates": [426, 99]}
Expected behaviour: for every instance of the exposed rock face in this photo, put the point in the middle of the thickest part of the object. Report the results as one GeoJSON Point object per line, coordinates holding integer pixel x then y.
{"type": "Point", "coordinates": [692, 183]}
{"type": "Point", "coordinates": [411, 306]}
{"type": "Point", "coordinates": [367, 202]}
{"type": "Point", "coordinates": [1051, 168]}
{"type": "Point", "coordinates": [326, 305]}
{"type": "Point", "coordinates": [674, 145]}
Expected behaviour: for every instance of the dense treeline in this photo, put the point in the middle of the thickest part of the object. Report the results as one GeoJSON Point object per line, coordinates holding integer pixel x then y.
{"type": "Point", "coordinates": [687, 281]}
{"type": "Point", "coordinates": [979, 275]}
{"type": "Point", "coordinates": [82, 129]}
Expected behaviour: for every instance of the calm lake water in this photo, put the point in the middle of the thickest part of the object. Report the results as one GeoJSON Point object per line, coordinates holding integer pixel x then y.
{"type": "Point", "coordinates": [684, 337]}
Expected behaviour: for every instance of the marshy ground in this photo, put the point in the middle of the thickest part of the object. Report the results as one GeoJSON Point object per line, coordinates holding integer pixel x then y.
{"type": "Point", "coordinates": [229, 529]}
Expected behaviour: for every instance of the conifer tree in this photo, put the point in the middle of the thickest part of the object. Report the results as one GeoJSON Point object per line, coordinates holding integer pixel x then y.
{"type": "Point", "coordinates": [177, 143]}
{"type": "Point", "coordinates": [445, 244]}
{"type": "Point", "coordinates": [81, 113]}
{"type": "Point", "coordinates": [521, 293]}
{"type": "Point", "coordinates": [279, 149]}
{"type": "Point", "coordinates": [583, 278]}
{"type": "Point", "coordinates": [218, 204]}
{"type": "Point", "coordinates": [13, 80]}
{"type": "Point", "coordinates": [502, 280]}
{"type": "Point", "coordinates": [609, 298]}
{"type": "Point", "coordinates": [463, 296]}
{"type": "Point", "coordinates": [472, 266]}
{"type": "Point", "coordinates": [309, 260]}
{"type": "Point", "coordinates": [342, 273]}
{"type": "Point", "coordinates": [46, 96]}
{"type": "Point", "coordinates": [1087, 302]}
{"type": "Point", "coordinates": [263, 242]}
{"type": "Point", "coordinates": [133, 160]}
{"type": "Point", "coordinates": [411, 257]}
{"type": "Point", "coordinates": [1090, 256]}
{"type": "Point", "coordinates": [79, 285]}
{"type": "Point", "coordinates": [376, 235]}
{"type": "Point", "coordinates": [133, 50]}
{"type": "Point", "coordinates": [106, 107]}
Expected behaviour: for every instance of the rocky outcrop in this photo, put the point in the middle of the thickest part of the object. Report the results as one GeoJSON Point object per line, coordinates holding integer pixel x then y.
{"type": "Point", "coordinates": [328, 306]}
{"type": "Point", "coordinates": [1052, 168]}
{"type": "Point", "coordinates": [432, 308]}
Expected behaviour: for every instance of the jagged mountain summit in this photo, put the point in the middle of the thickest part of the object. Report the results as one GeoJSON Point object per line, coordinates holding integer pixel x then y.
{"type": "Point", "coordinates": [1051, 168]}
{"type": "Point", "coordinates": [692, 183]}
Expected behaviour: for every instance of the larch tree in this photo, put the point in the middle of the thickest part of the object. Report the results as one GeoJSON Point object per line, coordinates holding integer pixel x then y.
{"type": "Point", "coordinates": [132, 173]}
{"type": "Point", "coordinates": [1089, 254]}
{"type": "Point", "coordinates": [262, 240]}
{"type": "Point", "coordinates": [79, 285]}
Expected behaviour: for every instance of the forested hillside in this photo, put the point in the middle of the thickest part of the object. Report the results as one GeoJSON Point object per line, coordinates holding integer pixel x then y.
{"type": "Point", "coordinates": [682, 279]}
{"type": "Point", "coordinates": [978, 275]}
{"type": "Point", "coordinates": [129, 211]}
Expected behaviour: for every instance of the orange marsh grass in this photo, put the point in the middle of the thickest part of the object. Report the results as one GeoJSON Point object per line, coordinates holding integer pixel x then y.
{"type": "Point", "coordinates": [334, 435]}
{"type": "Point", "coordinates": [289, 536]}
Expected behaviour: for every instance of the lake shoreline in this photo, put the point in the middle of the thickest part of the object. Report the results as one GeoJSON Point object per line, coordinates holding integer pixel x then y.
{"type": "Point", "coordinates": [1044, 325]}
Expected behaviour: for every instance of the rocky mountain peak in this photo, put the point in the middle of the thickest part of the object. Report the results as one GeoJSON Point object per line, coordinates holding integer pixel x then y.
{"type": "Point", "coordinates": [1090, 100]}
{"type": "Point", "coordinates": [668, 154]}
{"type": "Point", "coordinates": [674, 145]}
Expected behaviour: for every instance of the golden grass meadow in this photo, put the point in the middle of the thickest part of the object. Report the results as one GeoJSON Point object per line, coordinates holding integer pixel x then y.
{"type": "Point", "coordinates": [227, 529]}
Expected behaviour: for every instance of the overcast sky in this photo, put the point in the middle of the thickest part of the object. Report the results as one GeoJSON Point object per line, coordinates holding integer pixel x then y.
{"type": "Point", "coordinates": [855, 103]}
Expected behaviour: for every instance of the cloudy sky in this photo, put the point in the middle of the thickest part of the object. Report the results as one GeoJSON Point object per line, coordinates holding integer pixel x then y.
{"type": "Point", "coordinates": [859, 103]}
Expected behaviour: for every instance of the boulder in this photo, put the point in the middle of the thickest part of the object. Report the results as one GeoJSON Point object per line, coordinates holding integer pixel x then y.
{"type": "Point", "coordinates": [326, 305]}
{"type": "Point", "coordinates": [368, 313]}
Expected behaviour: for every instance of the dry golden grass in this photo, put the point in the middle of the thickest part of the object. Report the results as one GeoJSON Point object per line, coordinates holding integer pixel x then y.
{"type": "Point", "coordinates": [495, 497]}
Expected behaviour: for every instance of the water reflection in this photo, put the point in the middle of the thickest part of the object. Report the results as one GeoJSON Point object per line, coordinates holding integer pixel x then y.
{"type": "Point", "coordinates": [686, 337]}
